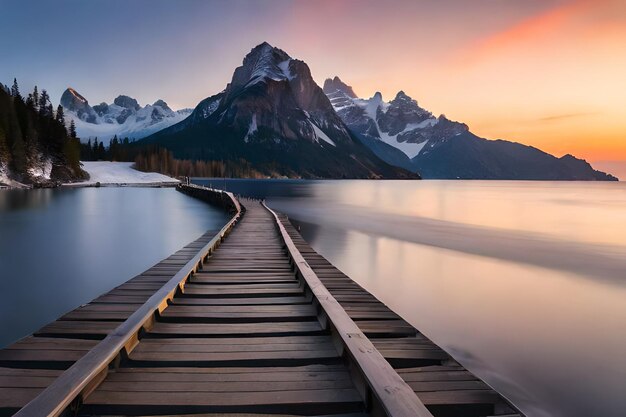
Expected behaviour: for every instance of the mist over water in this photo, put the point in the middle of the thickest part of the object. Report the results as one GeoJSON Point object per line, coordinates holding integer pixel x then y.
{"type": "Point", "coordinates": [523, 282]}
{"type": "Point", "coordinates": [60, 248]}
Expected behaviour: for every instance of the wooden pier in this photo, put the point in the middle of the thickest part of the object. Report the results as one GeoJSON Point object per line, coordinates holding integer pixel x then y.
{"type": "Point", "coordinates": [247, 320]}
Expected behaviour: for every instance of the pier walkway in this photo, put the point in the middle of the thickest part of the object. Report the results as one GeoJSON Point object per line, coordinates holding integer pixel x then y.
{"type": "Point", "coordinates": [247, 320]}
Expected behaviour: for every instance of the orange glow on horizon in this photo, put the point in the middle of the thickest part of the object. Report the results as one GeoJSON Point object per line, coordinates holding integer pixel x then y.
{"type": "Point", "coordinates": [554, 80]}
{"type": "Point", "coordinates": [534, 27]}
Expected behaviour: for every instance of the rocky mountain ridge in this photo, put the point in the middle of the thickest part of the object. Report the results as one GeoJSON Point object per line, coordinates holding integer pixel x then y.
{"type": "Point", "coordinates": [125, 117]}
{"type": "Point", "coordinates": [404, 134]}
{"type": "Point", "coordinates": [275, 117]}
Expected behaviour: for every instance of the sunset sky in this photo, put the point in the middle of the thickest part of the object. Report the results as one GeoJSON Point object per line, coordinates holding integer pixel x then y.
{"type": "Point", "coordinates": [549, 73]}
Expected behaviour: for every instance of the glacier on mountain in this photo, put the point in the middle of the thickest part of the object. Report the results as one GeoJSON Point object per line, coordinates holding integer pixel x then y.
{"type": "Point", "coordinates": [124, 117]}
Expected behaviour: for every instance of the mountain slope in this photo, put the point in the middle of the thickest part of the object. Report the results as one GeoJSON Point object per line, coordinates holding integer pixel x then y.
{"type": "Point", "coordinates": [404, 134]}
{"type": "Point", "coordinates": [276, 118]}
{"type": "Point", "coordinates": [124, 117]}
{"type": "Point", "coordinates": [468, 156]}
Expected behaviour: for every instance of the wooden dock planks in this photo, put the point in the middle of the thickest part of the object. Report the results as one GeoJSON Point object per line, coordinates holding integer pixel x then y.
{"type": "Point", "coordinates": [246, 335]}
{"type": "Point", "coordinates": [229, 350]}
{"type": "Point", "coordinates": [443, 385]}
{"type": "Point", "coordinates": [58, 345]}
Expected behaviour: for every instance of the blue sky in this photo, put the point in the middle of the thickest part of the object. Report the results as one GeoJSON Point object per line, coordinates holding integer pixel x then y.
{"type": "Point", "coordinates": [542, 72]}
{"type": "Point", "coordinates": [183, 51]}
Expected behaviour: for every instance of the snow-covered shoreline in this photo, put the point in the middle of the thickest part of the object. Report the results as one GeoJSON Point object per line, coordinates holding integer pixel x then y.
{"type": "Point", "coordinates": [7, 183]}
{"type": "Point", "coordinates": [121, 174]}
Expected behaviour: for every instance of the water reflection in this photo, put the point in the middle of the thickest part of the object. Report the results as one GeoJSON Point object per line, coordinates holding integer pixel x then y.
{"type": "Point", "coordinates": [586, 259]}
{"type": "Point", "coordinates": [522, 281]}
{"type": "Point", "coordinates": [573, 211]}
{"type": "Point", "coordinates": [24, 199]}
{"type": "Point", "coordinates": [262, 188]}
{"type": "Point", "coordinates": [549, 341]}
{"type": "Point", "coordinates": [62, 248]}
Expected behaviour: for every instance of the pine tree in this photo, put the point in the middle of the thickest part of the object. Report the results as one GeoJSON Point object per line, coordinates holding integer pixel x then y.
{"type": "Point", "coordinates": [4, 148]}
{"type": "Point", "coordinates": [36, 97]}
{"type": "Point", "coordinates": [28, 134]}
{"type": "Point", "coordinates": [18, 148]}
{"type": "Point", "coordinates": [44, 99]}
{"type": "Point", "coordinates": [85, 150]}
{"type": "Point", "coordinates": [94, 150]}
{"type": "Point", "coordinates": [114, 149]}
{"type": "Point", "coordinates": [30, 103]}
{"type": "Point", "coordinates": [73, 130]}
{"type": "Point", "coordinates": [101, 151]}
{"type": "Point", "coordinates": [15, 90]}
{"type": "Point", "coordinates": [71, 151]}
{"type": "Point", "coordinates": [60, 116]}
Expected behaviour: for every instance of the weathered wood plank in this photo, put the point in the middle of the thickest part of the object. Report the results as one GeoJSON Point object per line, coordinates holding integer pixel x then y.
{"type": "Point", "coordinates": [248, 333]}
{"type": "Point", "coordinates": [69, 385]}
{"type": "Point", "coordinates": [400, 349]}
{"type": "Point", "coordinates": [245, 330]}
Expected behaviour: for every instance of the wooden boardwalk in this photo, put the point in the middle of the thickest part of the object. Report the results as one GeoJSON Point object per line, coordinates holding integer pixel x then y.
{"type": "Point", "coordinates": [253, 324]}
{"type": "Point", "coordinates": [31, 364]}
{"type": "Point", "coordinates": [440, 382]}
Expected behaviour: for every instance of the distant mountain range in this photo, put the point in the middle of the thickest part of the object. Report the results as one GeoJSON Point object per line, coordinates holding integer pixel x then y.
{"type": "Point", "coordinates": [124, 117]}
{"type": "Point", "coordinates": [273, 116]}
{"type": "Point", "coordinates": [274, 119]}
{"type": "Point", "coordinates": [404, 134]}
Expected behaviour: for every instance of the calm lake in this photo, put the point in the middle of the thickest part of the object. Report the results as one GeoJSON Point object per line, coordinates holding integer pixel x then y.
{"type": "Point", "coordinates": [62, 248]}
{"type": "Point", "coordinates": [523, 282]}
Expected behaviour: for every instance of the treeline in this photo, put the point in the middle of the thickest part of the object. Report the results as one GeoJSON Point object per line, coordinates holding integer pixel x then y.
{"type": "Point", "coordinates": [155, 159]}
{"type": "Point", "coordinates": [152, 158]}
{"type": "Point", "coordinates": [32, 134]}
{"type": "Point", "coordinates": [119, 150]}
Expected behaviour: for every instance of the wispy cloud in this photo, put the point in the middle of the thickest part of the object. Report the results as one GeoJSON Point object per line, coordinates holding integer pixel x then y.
{"type": "Point", "coordinates": [533, 28]}
{"type": "Point", "coordinates": [559, 117]}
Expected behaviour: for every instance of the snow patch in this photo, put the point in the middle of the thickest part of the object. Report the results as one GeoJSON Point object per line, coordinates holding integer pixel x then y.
{"type": "Point", "coordinates": [139, 124]}
{"type": "Point", "coordinates": [121, 173]}
{"type": "Point", "coordinates": [410, 149]}
{"type": "Point", "coordinates": [284, 67]}
{"type": "Point", "coordinates": [251, 129]}
{"type": "Point", "coordinates": [371, 108]}
{"type": "Point", "coordinates": [4, 178]}
{"type": "Point", "coordinates": [42, 170]}
{"type": "Point", "coordinates": [135, 127]}
{"type": "Point", "coordinates": [321, 135]}
{"type": "Point", "coordinates": [210, 109]}
{"type": "Point", "coordinates": [421, 125]}
{"type": "Point", "coordinates": [8, 182]}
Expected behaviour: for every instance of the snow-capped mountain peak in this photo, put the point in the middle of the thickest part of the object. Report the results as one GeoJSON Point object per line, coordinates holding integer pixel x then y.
{"type": "Point", "coordinates": [127, 102]}
{"type": "Point", "coordinates": [74, 94]}
{"type": "Point", "coordinates": [336, 86]}
{"type": "Point", "coordinates": [272, 94]}
{"type": "Point", "coordinates": [404, 134]}
{"type": "Point", "coordinates": [76, 104]}
{"type": "Point", "coordinates": [274, 116]}
{"type": "Point", "coordinates": [264, 62]}
{"type": "Point", "coordinates": [162, 104]}
{"type": "Point", "coordinates": [125, 117]}
{"type": "Point", "coordinates": [400, 123]}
